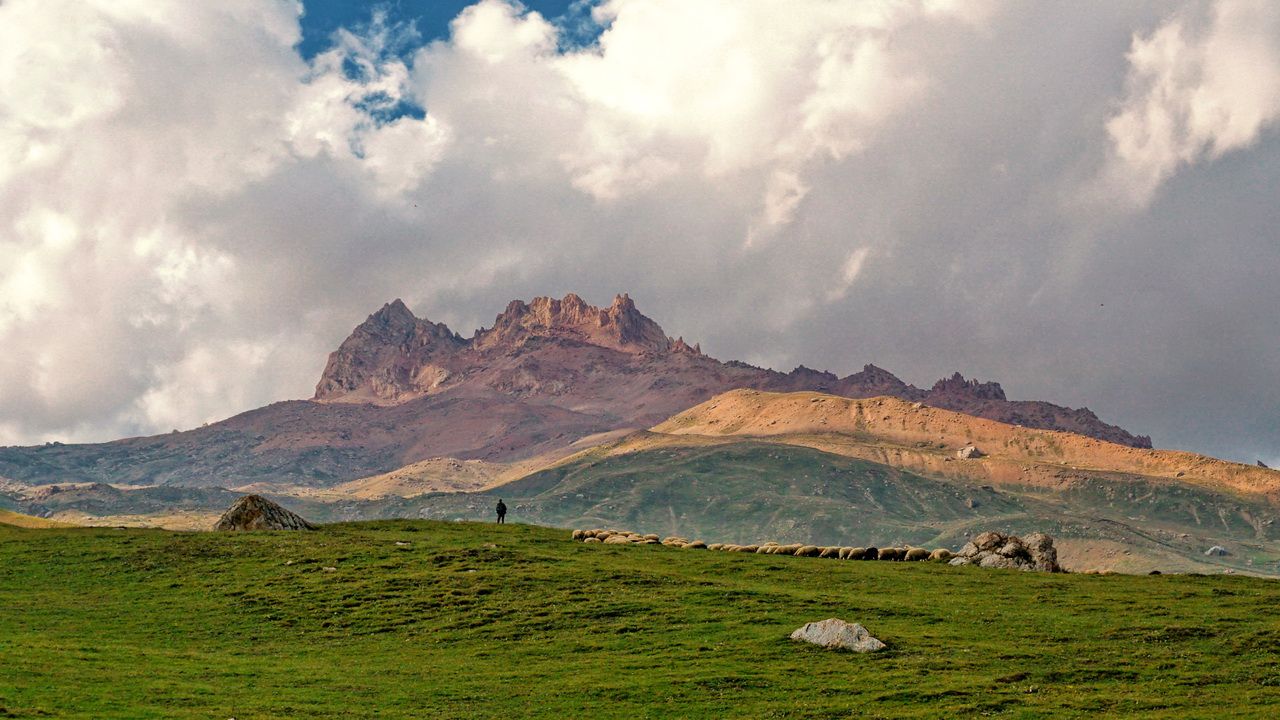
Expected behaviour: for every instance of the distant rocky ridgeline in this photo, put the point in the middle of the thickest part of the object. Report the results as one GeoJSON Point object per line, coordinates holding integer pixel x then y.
{"type": "Point", "coordinates": [621, 361]}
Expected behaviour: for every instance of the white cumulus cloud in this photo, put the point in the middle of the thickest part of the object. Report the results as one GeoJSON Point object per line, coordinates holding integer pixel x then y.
{"type": "Point", "coordinates": [1201, 85]}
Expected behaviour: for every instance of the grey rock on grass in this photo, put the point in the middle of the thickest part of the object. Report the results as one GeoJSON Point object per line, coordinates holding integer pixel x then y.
{"type": "Point", "coordinates": [1010, 552]}
{"type": "Point", "coordinates": [838, 635]}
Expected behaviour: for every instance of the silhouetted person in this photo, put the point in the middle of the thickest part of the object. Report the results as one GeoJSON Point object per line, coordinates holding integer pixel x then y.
{"type": "Point", "coordinates": [502, 512]}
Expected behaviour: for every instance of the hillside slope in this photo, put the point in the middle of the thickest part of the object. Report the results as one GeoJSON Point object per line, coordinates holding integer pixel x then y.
{"type": "Point", "coordinates": [748, 413]}
{"type": "Point", "coordinates": [805, 467]}
{"type": "Point", "coordinates": [8, 517]}
{"type": "Point", "coordinates": [463, 620]}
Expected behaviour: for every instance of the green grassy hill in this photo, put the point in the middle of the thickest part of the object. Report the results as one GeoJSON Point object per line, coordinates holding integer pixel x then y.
{"type": "Point", "coordinates": [753, 490]}
{"type": "Point", "coordinates": [416, 619]}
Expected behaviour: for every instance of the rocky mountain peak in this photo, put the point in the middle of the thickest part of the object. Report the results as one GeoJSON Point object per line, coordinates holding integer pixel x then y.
{"type": "Point", "coordinates": [874, 380]}
{"type": "Point", "coordinates": [384, 357]}
{"type": "Point", "coordinates": [620, 326]}
{"type": "Point", "coordinates": [958, 386]}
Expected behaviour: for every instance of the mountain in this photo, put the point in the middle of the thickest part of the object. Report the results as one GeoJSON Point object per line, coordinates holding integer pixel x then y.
{"type": "Point", "coordinates": [617, 361]}
{"type": "Point", "coordinates": [402, 389]}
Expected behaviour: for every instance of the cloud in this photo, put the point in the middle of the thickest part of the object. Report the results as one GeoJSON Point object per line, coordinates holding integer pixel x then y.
{"type": "Point", "coordinates": [192, 216]}
{"type": "Point", "coordinates": [1199, 86]}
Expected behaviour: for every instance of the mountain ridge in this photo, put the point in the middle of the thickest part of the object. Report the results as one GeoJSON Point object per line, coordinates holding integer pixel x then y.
{"type": "Point", "coordinates": [395, 356]}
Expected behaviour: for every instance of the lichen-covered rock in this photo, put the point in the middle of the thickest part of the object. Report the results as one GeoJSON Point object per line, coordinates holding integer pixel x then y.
{"type": "Point", "coordinates": [838, 635]}
{"type": "Point", "coordinates": [254, 512]}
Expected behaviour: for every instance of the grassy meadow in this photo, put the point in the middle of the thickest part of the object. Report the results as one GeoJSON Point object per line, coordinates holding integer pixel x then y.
{"type": "Point", "coordinates": [397, 619]}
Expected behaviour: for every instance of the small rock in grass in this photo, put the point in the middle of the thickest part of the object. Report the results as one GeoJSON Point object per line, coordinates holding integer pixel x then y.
{"type": "Point", "coordinates": [838, 635]}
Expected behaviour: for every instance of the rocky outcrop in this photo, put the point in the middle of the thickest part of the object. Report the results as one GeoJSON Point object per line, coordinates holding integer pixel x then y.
{"type": "Point", "coordinates": [392, 355]}
{"type": "Point", "coordinates": [837, 634]}
{"type": "Point", "coordinates": [254, 512]}
{"type": "Point", "coordinates": [619, 327]}
{"type": "Point", "coordinates": [1010, 552]}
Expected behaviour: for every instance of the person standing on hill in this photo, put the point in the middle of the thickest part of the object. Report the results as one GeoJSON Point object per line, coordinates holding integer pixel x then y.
{"type": "Point", "coordinates": [502, 512]}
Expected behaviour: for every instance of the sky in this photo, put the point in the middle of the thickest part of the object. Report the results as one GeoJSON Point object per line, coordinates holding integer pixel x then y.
{"type": "Point", "coordinates": [198, 201]}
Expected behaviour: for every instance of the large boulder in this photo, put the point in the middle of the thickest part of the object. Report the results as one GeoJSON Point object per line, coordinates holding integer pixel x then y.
{"type": "Point", "coordinates": [838, 635]}
{"type": "Point", "coordinates": [1010, 552]}
{"type": "Point", "coordinates": [254, 512]}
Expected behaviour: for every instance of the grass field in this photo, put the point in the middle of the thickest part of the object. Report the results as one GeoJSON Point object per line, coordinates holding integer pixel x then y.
{"type": "Point", "coordinates": [470, 620]}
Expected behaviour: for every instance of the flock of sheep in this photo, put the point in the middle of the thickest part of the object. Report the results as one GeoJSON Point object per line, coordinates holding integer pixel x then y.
{"type": "Point", "coordinates": [909, 554]}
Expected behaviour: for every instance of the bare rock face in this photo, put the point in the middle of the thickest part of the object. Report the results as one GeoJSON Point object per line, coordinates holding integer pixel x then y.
{"type": "Point", "coordinates": [838, 635]}
{"type": "Point", "coordinates": [1010, 552]}
{"type": "Point", "coordinates": [969, 452]}
{"type": "Point", "coordinates": [390, 356]}
{"type": "Point", "coordinates": [254, 512]}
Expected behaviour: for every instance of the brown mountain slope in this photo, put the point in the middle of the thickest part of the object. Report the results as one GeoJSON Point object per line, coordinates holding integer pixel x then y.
{"type": "Point", "coordinates": [926, 439]}
{"type": "Point", "coordinates": [402, 389]}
